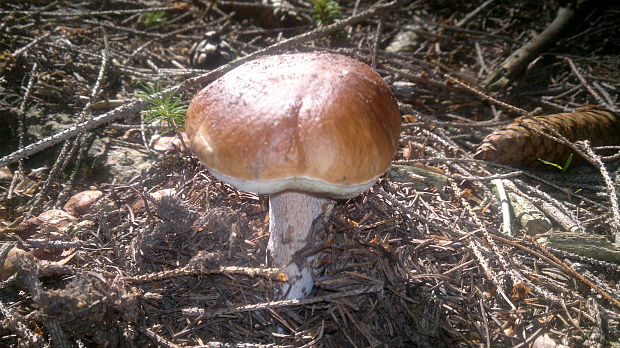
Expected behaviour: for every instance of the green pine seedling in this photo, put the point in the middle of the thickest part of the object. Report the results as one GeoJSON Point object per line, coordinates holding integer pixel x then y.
{"type": "Point", "coordinates": [167, 108]}
{"type": "Point", "coordinates": [325, 12]}
{"type": "Point", "coordinates": [563, 168]}
{"type": "Point", "coordinates": [153, 19]}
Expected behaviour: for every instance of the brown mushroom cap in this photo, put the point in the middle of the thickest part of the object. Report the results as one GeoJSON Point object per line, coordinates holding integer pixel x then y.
{"type": "Point", "coordinates": [314, 122]}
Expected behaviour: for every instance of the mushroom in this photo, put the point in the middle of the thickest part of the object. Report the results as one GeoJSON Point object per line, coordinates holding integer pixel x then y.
{"type": "Point", "coordinates": [303, 128]}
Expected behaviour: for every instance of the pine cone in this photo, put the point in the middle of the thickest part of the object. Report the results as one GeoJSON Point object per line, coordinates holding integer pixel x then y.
{"type": "Point", "coordinates": [519, 145]}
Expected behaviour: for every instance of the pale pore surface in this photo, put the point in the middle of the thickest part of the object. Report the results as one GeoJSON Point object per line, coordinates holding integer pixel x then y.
{"type": "Point", "coordinates": [293, 219]}
{"type": "Point", "coordinates": [296, 183]}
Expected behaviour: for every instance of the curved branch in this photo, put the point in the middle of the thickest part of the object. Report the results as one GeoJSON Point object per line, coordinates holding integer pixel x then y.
{"type": "Point", "coordinates": [519, 59]}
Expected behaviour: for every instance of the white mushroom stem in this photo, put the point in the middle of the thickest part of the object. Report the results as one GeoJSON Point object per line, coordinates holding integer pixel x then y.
{"type": "Point", "coordinates": [294, 218]}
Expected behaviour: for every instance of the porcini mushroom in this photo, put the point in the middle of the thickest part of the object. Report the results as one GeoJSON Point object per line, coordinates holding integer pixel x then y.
{"type": "Point", "coordinates": [302, 128]}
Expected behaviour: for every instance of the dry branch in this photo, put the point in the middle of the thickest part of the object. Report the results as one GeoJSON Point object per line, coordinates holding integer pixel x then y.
{"type": "Point", "coordinates": [587, 245]}
{"type": "Point", "coordinates": [577, 275]}
{"type": "Point", "coordinates": [200, 312]}
{"type": "Point", "coordinates": [270, 273]}
{"type": "Point", "coordinates": [529, 216]}
{"type": "Point", "coordinates": [473, 13]}
{"type": "Point", "coordinates": [510, 68]}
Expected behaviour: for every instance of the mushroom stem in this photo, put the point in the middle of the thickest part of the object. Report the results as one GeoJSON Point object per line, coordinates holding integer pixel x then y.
{"type": "Point", "coordinates": [294, 218]}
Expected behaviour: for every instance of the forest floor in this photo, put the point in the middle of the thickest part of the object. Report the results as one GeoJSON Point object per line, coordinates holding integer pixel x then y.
{"type": "Point", "coordinates": [168, 256]}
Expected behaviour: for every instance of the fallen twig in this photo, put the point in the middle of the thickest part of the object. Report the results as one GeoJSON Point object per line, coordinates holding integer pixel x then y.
{"type": "Point", "coordinates": [22, 129]}
{"type": "Point", "coordinates": [270, 273]}
{"type": "Point", "coordinates": [473, 13]}
{"type": "Point", "coordinates": [587, 86]}
{"type": "Point", "coordinates": [15, 324]}
{"type": "Point", "coordinates": [518, 60]}
{"type": "Point", "coordinates": [200, 312]}
{"type": "Point", "coordinates": [611, 191]}
{"type": "Point", "coordinates": [574, 273]}
{"type": "Point", "coordinates": [505, 204]}
{"type": "Point", "coordinates": [487, 97]}
{"type": "Point", "coordinates": [159, 341]}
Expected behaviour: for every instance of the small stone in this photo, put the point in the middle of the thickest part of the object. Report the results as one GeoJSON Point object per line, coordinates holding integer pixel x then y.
{"type": "Point", "coordinates": [117, 159]}
{"type": "Point", "coordinates": [81, 203]}
{"type": "Point", "coordinates": [165, 144]}
{"type": "Point", "coordinates": [157, 195]}
{"type": "Point", "coordinates": [171, 144]}
{"type": "Point", "coordinates": [54, 220]}
{"type": "Point", "coordinates": [9, 266]}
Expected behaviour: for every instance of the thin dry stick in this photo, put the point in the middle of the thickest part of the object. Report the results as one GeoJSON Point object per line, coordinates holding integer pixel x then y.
{"type": "Point", "coordinates": [524, 248]}
{"type": "Point", "coordinates": [355, 8]}
{"type": "Point", "coordinates": [66, 153]}
{"type": "Point", "coordinates": [270, 273]}
{"type": "Point", "coordinates": [134, 107]}
{"type": "Point", "coordinates": [487, 177]}
{"type": "Point", "coordinates": [143, 133]}
{"type": "Point", "coordinates": [514, 274]}
{"type": "Point", "coordinates": [486, 96]}
{"type": "Point", "coordinates": [283, 303]}
{"type": "Point", "coordinates": [21, 50]}
{"type": "Point", "coordinates": [22, 130]}
{"type": "Point", "coordinates": [22, 114]}
{"type": "Point", "coordinates": [611, 192]}
{"type": "Point", "coordinates": [376, 42]}
{"type": "Point", "coordinates": [482, 261]}
{"type": "Point", "coordinates": [242, 345]}
{"type": "Point", "coordinates": [505, 206]}
{"type": "Point", "coordinates": [586, 85]}
{"type": "Point", "coordinates": [28, 275]}
{"type": "Point", "coordinates": [605, 95]}
{"type": "Point", "coordinates": [483, 312]}
{"type": "Point", "coordinates": [15, 324]}
{"type": "Point", "coordinates": [519, 59]}
{"type": "Point", "coordinates": [480, 56]}
{"type": "Point", "coordinates": [473, 13]}
{"type": "Point", "coordinates": [159, 341]}
{"type": "Point", "coordinates": [573, 273]}
{"type": "Point", "coordinates": [91, 13]}
{"type": "Point", "coordinates": [62, 196]}
{"type": "Point", "coordinates": [56, 170]}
